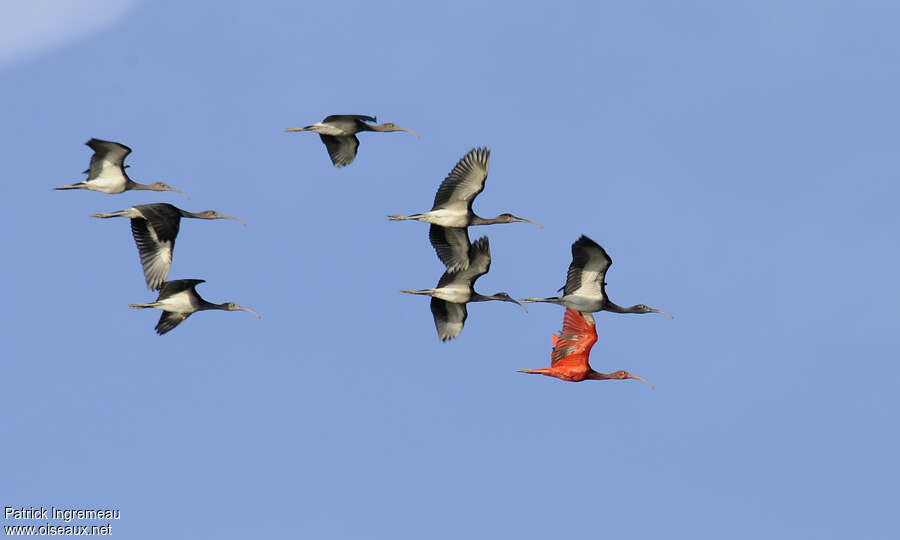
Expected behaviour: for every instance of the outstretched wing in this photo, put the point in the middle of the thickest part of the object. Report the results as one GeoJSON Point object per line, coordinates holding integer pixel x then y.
{"type": "Point", "coordinates": [479, 260]}
{"type": "Point", "coordinates": [464, 182]}
{"type": "Point", "coordinates": [587, 271]}
{"type": "Point", "coordinates": [449, 318]}
{"type": "Point", "coordinates": [339, 117]}
{"type": "Point", "coordinates": [573, 345]}
{"type": "Point", "coordinates": [452, 246]}
{"type": "Point", "coordinates": [176, 286]}
{"type": "Point", "coordinates": [479, 264]}
{"type": "Point", "coordinates": [155, 238]}
{"type": "Point", "coordinates": [169, 320]}
{"type": "Point", "coordinates": [108, 158]}
{"type": "Point", "coordinates": [341, 149]}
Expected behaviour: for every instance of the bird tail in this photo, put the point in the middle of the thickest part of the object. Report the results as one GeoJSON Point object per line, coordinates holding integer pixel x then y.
{"type": "Point", "coordinates": [78, 185]}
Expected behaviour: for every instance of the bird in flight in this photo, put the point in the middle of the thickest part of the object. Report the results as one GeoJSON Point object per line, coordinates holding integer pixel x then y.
{"type": "Point", "coordinates": [453, 200]}
{"type": "Point", "coordinates": [585, 288]}
{"type": "Point", "coordinates": [456, 289]}
{"type": "Point", "coordinates": [154, 227]}
{"type": "Point", "coordinates": [569, 360]}
{"type": "Point", "coordinates": [107, 171]}
{"type": "Point", "coordinates": [178, 299]}
{"type": "Point", "coordinates": [338, 132]}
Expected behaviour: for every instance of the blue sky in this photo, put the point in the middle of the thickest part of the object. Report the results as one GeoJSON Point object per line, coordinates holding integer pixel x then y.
{"type": "Point", "coordinates": [739, 163]}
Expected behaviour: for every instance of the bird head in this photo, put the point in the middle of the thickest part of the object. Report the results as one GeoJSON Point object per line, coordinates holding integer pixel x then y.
{"type": "Point", "coordinates": [643, 308]}
{"type": "Point", "coordinates": [509, 218]}
{"type": "Point", "coordinates": [231, 306]}
{"type": "Point", "coordinates": [505, 297]}
{"type": "Point", "coordinates": [212, 214]}
{"type": "Point", "coordinates": [160, 186]}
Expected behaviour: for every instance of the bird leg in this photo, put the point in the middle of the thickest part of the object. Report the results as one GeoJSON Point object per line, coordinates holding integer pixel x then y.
{"type": "Point", "coordinates": [424, 291]}
{"type": "Point", "coordinates": [120, 213]}
{"type": "Point", "coordinates": [539, 371]}
{"type": "Point", "coordinates": [551, 300]}
{"type": "Point", "coordinates": [150, 305]}
{"type": "Point", "coordinates": [394, 217]}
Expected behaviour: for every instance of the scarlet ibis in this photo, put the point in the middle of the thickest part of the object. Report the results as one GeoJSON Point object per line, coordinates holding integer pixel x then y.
{"type": "Point", "coordinates": [569, 359]}
{"type": "Point", "coordinates": [453, 201]}
{"type": "Point", "coordinates": [338, 132]}
{"type": "Point", "coordinates": [455, 289]}
{"type": "Point", "coordinates": [178, 299]}
{"type": "Point", "coordinates": [107, 171]}
{"type": "Point", "coordinates": [154, 227]}
{"type": "Point", "coordinates": [585, 288]}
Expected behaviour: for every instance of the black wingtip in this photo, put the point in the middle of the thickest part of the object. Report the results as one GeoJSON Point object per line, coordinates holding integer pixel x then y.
{"type": "Point", "coordinates": [584, 241]}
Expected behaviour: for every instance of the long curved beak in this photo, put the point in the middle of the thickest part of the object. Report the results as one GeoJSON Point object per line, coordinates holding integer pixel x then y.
{"type": "Point", "coordinates": [248, 310]}
{"type": "Point", "coordinates": [408, 131]}
{"type": "Point", "coordinates": [638, 377]}
{"type": "Point", "coordinates": [516, 302]}
{"type": "Point", "coordinates": [669, 315]}
{"type": "Point", "coordinates": [523, 220]}
{"type": "Point", "coordinates": [234, 218]}
{"type": "Point", "coordinates": [178, 191]}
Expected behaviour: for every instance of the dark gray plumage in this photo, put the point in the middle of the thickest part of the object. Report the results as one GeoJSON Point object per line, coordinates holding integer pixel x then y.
{"type": "Point", "coordinates": [451, 245]}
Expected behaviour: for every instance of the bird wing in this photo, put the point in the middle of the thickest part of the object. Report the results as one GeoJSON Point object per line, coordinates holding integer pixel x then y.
{"type": "Point", "coordinates": [465, 181]}
{"type": "Point", "coordinates": [155, 238]}
{"type": "Point", "coordinates": [176, 286]}
{"type": "Point", "coordinates": [169, 320]}
{"type": "Point", "coordinates": [452, 246]}
{"type": "Point", "coordinates": [108, 158]}
{"type": "Point", "coordinates": [588, 269]}
{"type": "Point", "coordinates": [479, 264]}
{"type": "Point", "coordinates": [449, 318]}
{"type": "Point", "coordinates": [341, 149]}
{"type": "Point", "coordinates": [572, 347]}
{"type": "Point", "coordinates": [340, 117]}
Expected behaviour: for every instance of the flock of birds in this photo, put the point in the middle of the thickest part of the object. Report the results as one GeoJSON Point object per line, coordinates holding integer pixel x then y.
{"type": "Point", "coordinates": [155, 227]}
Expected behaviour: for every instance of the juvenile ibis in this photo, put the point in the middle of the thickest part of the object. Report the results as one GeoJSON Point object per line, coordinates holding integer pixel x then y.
{"type": "Point", "coordinates": [456, 289]}
{"type": "Point", "coordinates": [107, 171]}
{"type": "Point", "coordinates": [154, 227]}
{"type": "Point", "coordinates": [178, 299]}
{"type": "Point", "coordinates": [453, 201]}
{"type": "Point", "coordinates": [570, 357]}
{"type": "Point", "coordinates": [338, 132]}
{"type": "Point", "coordinates": [585, 288]}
